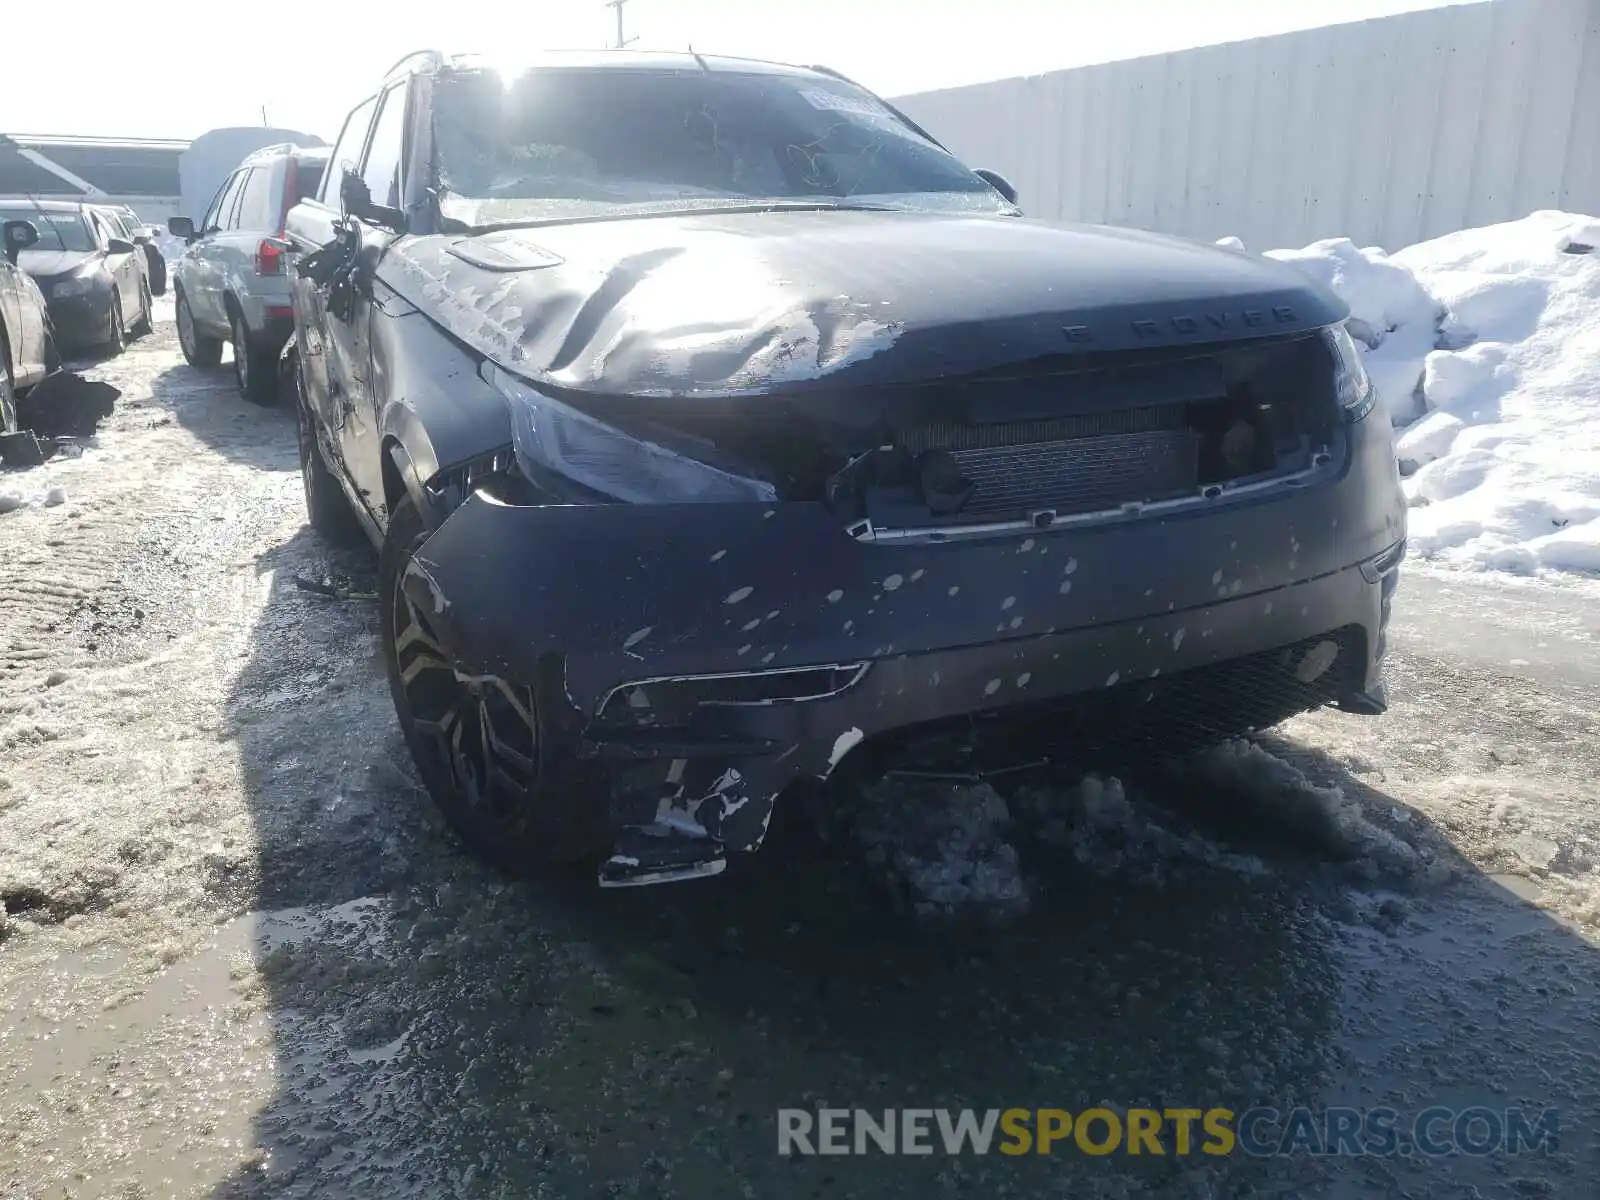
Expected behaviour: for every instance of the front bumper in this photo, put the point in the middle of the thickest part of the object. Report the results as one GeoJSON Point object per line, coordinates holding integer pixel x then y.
{"type": "Point", "coordinates": [756, 645]}
{"type": "Point", "coordinates": [81, 320]}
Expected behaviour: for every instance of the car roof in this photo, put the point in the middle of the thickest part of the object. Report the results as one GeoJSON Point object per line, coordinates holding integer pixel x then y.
{"type": "Point", "coordinates": [48, 206]}
{"type": "Point", "coordinates": [284, 150]}
{"type": "Point", "coordinates": [605, 60]}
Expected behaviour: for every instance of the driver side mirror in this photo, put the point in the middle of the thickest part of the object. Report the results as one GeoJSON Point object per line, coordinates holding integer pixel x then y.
{"type": "Point", "coordinates": [19, 235]}
{"type": "Point", "coordinates": [181, 227]}
{"type": "Point", "coordinates": [118, 245]}
{"type": "Point", "coordinates": [999, 183]}
{"type": "Point", "coordinates": [356, 198]}
{"type": "Point", "coordinates": [354, 194]}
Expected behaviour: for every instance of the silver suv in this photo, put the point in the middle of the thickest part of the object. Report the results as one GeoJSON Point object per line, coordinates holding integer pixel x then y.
{"type": "Point", "coordinates": [232, 283]}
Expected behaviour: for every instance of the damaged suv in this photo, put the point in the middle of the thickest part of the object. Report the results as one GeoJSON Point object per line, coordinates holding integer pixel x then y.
{"type": "Point", "coordinates": [717, 425]}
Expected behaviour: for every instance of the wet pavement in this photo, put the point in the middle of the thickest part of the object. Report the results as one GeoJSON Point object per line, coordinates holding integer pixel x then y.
{"type": "Point", "coordinates": [244, 958]}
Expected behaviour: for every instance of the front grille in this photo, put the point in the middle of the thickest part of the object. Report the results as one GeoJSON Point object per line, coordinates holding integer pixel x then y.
{"type": "Point", "coordinates": [1081, 474]}
{"type": "Point", "coordinates": [952, 436]}
{"type": "Point", "coordinates": [1144, 432]}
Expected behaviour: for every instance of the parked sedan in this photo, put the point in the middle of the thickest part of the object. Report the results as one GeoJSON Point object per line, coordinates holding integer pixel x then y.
{"type": "Point", "coordinates": [95, 283]}
{"type": "Point", "coordinates": [144, 237]}
{"type": "Point", "coordinates": [27, 348]}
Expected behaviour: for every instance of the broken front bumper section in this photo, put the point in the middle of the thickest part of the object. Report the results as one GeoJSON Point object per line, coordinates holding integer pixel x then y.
{"type": "Point", "coordinates": [710, 655]}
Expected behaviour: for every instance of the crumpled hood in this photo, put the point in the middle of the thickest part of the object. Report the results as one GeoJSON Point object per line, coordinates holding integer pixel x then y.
{"type": "Point", "coordinates": [722, 304]}
{"type": "Point", "coordinates": [49, 264]}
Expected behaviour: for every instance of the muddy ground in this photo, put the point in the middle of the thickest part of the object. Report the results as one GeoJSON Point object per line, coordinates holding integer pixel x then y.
{"type": "Point", "coordinates": [241, 957]}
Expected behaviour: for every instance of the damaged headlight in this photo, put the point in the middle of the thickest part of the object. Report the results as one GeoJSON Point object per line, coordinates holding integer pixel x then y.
{"type": "Point", "coordinates": [553, 436]}
{"type": "Point", "coordinates": [1356, 393]}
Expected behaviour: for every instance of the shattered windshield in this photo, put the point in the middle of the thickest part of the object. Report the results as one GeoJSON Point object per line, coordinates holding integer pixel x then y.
{"type": "Point", "coordinates": [57, 230]}
{"type": "Point", "coordinates": [558, 142]}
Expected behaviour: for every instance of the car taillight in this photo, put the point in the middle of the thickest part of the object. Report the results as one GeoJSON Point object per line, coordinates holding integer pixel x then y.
{"type": "Point", "coordinates": [269, 258]}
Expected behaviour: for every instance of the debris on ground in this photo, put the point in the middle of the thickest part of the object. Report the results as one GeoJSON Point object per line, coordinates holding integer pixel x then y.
{"type": "Point", "coordinates": [21, 449]}
{"type": "Point", "coordinates": [27, 449]}
{"type": "Point", "coordinates": [66, 404]}
{"type": "Point", "coordinates": [330, 589]}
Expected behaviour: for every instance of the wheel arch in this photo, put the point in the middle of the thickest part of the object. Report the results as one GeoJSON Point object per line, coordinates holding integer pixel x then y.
{"type": "Point", "coordinates": [403, 478]}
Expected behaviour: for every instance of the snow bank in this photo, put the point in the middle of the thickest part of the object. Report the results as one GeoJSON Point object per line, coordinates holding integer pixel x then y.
{"type": "Point", "coordinates": [1391, 313]}
{"type": "Point", "coordinates": [1485, 346]}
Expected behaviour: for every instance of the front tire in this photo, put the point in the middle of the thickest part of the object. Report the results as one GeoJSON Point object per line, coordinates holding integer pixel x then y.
{"type": "Point", "coordinates": [8, 391]}
{"type": "Point", "coordinates": [146, 323]}
{"type": "Point", "coordinates": [491, 765]}
{"type": "Point", "coordinates": [198, 349]}
{"type": "Point", "coordinates": [116, 337]}
{"type": "Point", "coordinates": [158, 269]}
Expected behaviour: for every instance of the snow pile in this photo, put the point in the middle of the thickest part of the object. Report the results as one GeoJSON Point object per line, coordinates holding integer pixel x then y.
{"type": "Point", "coordinates": [1485, 345]}
{"type": "Point", "coordinates": [1118, 836]}
{"type": "Point", "coordinates": [1255, 783]}
{"type": "Point", "coordinates": [12, 500]}
{"type": "Point", "coordinates": [952, 848]}
{"type": "Point", "coordinates": [1391, 313]}
{"type": "Point", "coordinates": [945, 845]}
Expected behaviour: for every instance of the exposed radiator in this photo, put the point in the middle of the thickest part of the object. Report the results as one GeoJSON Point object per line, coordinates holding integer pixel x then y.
{"type": "Point", "coordinates": [951, 435]}
{"type": "Point", "coordinates": [1082, 474]}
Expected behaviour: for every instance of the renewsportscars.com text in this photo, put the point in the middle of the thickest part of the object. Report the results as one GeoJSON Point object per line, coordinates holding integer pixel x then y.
{"type": "Point", "coordinates": [1258, 1132]}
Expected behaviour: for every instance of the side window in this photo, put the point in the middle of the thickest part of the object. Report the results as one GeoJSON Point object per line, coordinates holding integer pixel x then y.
{"type": "Point", "coordinates": [231, 207]}
{"type": "Point", "coordinates": [102, 231]}
{"type": "Point", "coordinates": [308, 179]}
{"type": "Point", "coordinates": [210, 221]}
{"type": "Point", "coordinates": [347, 151]}
{"type": "Point", "coordinates": [382, 168]}
{"type": "Point", "coordinates": [257, 211]}
{"type": "Point", "coordinates": [223, 208]}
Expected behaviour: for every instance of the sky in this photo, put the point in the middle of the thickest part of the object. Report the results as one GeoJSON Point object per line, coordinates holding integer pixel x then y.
{"type": "Point", "coordinates": [307, 62]}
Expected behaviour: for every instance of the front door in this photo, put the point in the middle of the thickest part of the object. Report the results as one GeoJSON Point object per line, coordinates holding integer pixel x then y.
{"type": "Point", "coordinates": [325, 339]}
{"type": "Point", "coordinates": [203, 271]}
{"type": "Point", "coordinates": [360, 436]}
{"type": "Point", "coordinates": [122, 265]}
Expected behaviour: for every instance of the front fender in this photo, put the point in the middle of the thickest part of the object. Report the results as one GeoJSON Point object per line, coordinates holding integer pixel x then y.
{"type": "Point", "coordinates": [434, 409]}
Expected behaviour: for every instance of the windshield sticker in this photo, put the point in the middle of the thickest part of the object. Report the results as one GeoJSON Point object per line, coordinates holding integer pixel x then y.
{"type": "Point", "coordinates": [854, 105]}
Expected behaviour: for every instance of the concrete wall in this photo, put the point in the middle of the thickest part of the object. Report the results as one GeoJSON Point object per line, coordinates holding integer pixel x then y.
{"type": "Point", "coordinates": [1388, 131]}
{"type": "Point", "coordinates": [152, 210]}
